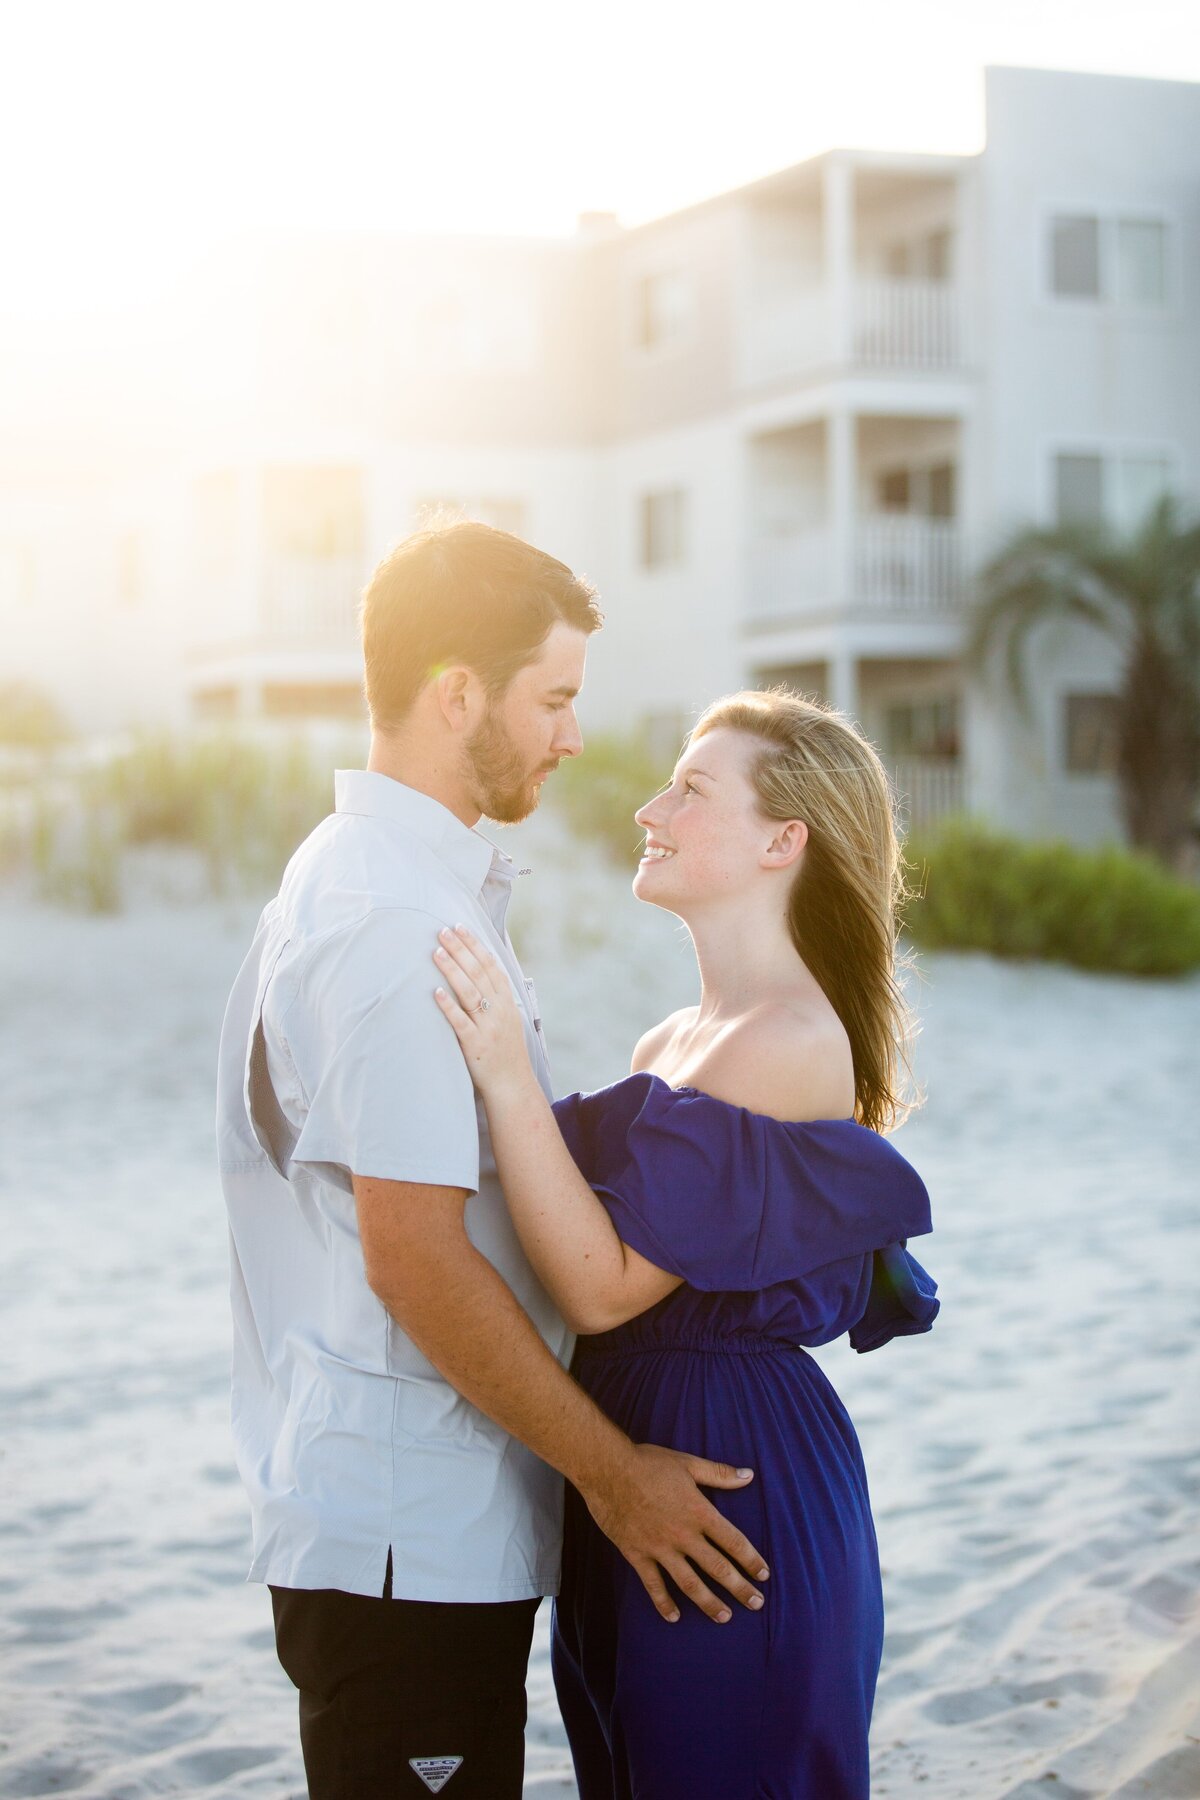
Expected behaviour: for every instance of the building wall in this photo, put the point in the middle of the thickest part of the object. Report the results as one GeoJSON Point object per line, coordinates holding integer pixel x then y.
{"type": "Point", "coordinates": [514, 379]}
{"type": "Point", "coordinates": [671, 641]}
{"type": "Point", "coordinates": [1075, 374]}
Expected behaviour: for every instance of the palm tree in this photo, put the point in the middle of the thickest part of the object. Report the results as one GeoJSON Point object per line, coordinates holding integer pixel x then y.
{"type": "Point", "coordinates": [1142, 589]}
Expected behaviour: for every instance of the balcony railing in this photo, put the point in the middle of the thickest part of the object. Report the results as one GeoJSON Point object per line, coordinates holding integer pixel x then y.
{"type": "Point", "coordinates": [908, 564]}
{"type": "Point", "coordinates": [906, 324]}
{"type": "Point", "coordinates": [310, 599]}
{"type": "Point", "coordinates": [903, 565]}
{"type": "Point", "coordinates": [927, 789]}
{"type": "Point", "coordinates": [900, 324]}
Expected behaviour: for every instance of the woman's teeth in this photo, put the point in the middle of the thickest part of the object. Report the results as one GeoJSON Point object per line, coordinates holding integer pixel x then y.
{"type": "Point", "coordinates": [655, 855]}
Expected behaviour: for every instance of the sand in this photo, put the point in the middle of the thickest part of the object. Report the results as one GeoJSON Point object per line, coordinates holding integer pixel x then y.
{"type": "Point", "coordinates": [1035, 1461]}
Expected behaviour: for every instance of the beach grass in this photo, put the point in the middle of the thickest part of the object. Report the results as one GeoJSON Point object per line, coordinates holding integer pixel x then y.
{"type": "Point", "coordinates": [1110, 909]}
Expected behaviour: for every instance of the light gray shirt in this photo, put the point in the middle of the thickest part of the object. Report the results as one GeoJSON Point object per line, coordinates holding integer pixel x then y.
{"type": "Point", "coordinates": [335, 1058]}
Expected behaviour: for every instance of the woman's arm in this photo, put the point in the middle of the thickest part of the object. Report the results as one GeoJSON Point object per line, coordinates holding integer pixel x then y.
{"type": "Point", "coordinates": [595, 1280]}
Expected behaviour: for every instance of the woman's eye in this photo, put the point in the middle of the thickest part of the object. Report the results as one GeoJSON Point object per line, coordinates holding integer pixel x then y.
{"type": "Point", "coordinates": [690, 788]}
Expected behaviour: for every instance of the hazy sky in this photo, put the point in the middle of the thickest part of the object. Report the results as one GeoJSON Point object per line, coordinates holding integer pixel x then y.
{"type": "Point", "coordinates": [134, 131]}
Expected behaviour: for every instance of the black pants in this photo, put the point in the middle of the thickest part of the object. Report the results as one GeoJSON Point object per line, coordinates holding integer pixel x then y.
{"type": "Point", "coordinates": [404, 1698]}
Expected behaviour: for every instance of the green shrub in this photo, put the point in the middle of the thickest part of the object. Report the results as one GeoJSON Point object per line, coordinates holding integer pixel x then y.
{"type": "Point", "coordinates": [1107, 909]}
{"type": "Point", "coordinates": [600, 791]}
{"type": "Point", "coordinates": [243, 805]}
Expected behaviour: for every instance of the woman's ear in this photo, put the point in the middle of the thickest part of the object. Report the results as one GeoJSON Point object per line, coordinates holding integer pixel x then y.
{"type": "Point", "coordinates": [785, 847]}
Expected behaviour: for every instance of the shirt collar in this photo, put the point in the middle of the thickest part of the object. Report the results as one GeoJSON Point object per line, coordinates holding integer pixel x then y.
{"type": "Point", "coordinates": [374, 796]}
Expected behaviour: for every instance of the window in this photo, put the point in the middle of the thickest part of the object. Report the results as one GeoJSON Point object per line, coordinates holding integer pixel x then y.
{"type": "Point", "coordinates": [1075, 256]}
{"type": "Point", "coordinates": [1090, 733]}
{"type": "Point", "coordinates": [942, 502]}
{"type": "Point", "coordinates": [1093, 488]}
{"type": "Point", "coordinates": [215, 703]}
{"type": "Point", "coordinates": [18, 572]}
{"type": "Point", "coordinates": [1141, 262]}
{"type": "Point", "coordinates": [1078, 490]}
{"type": "Point", "coordinates": [313, 512]}
{"type": "Point", "coordinates": [926, 493]}
{"type": "Point", "coordinates": [923, 259]}
{"type": "Point", "coordinates": [923, 727]}
{"type": "Point", "coordinates": [937, 255]}
{"type": "Point", "coordinates": [1109, 258]}
{"type": "Point", "coordinates": [1141, 483]}
{"type": "Point", "coordinates": [313, 700]}
{"type": "Point", "coordinates": [130, 569]}
{"type": "Point", "coordinates": [662, 529]}
{"type": "Point", "coordinates": [663, 309]}
{"type": "Point", "coordinates": [894, 490]}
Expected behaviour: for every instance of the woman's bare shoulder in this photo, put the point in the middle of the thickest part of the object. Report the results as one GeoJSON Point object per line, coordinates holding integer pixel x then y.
{"type": "Point", "coordinates": [789, 1060]}
{"type": "Point", "coordinates": [651, 1045]}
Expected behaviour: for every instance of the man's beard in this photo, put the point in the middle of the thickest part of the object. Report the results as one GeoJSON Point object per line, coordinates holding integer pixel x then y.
{"type": "Point", "coordinates": [504, 788]}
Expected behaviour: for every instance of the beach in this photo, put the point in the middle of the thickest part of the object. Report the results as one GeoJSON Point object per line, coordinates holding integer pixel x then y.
{"type": "Point", "coordinates": [1034, 1461]}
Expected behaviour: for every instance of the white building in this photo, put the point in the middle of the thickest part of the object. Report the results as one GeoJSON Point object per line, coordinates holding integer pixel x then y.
{"type": "Point", "coordinates": [779, 430]}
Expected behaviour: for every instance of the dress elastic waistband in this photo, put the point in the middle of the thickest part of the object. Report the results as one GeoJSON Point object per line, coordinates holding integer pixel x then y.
{"type": "Point", "coordinates": [708, 1345]}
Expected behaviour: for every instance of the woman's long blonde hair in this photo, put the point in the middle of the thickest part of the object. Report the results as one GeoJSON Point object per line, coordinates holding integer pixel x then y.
{"type": "Point", "coordinates": [844, 904]}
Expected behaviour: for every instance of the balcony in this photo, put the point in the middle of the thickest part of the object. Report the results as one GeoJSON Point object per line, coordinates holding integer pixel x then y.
{"type": "Point", "coordinates": [902, 565]}
{"type": "Point", "coordinates": [928, 789]}
{"type": "Point", "coordinates": [907, 564]}
{"type": "Point", "coordinates": [906, 325]}
{"type": "Point", "coordinates": [900, 325]}
{"type": "Point", "coordinates": [310, 600]}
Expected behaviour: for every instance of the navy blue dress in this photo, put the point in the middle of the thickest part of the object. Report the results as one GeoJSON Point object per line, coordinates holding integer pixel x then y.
{"type": "Point", "coordinates": [784, 1234]}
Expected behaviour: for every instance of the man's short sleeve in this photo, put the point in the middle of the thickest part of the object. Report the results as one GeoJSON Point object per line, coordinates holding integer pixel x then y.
{"type": "Point", "coordinates": [388, 1091]}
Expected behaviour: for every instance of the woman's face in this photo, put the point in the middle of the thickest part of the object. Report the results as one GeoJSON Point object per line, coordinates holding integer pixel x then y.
{"type": "Point", "coordinates": [705, 835]}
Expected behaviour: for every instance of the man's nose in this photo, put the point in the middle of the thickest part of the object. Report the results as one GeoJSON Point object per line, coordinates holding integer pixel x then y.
{"type": "Point", "coordinates": [570, 741]}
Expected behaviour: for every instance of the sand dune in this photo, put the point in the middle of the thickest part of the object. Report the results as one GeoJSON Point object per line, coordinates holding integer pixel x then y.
{"type": "Point", "coordinates": [1035, 1462]}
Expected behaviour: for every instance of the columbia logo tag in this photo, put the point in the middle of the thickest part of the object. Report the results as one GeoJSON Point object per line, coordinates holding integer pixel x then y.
{"type": "Point", "coordinates": [435, 1771]}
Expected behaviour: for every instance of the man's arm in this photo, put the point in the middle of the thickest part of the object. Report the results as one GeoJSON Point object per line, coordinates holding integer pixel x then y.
{"type": "Point", "coordinates": [466, 1320]}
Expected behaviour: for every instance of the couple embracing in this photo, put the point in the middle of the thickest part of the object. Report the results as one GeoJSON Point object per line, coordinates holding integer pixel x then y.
{"type": "Point", "coordinates": [451, 1291]}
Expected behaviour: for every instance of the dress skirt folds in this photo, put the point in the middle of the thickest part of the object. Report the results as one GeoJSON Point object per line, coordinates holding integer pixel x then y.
{"type": "Point", "coordinates": [784, 1235]}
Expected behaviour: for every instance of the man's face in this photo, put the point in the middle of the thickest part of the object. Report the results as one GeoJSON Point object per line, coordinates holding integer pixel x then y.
{"type": "Point", "coordinates": [528, 729]}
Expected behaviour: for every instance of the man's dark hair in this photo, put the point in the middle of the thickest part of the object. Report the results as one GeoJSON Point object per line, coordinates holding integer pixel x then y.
{"type": "Point", "coordinates": [462, 593]}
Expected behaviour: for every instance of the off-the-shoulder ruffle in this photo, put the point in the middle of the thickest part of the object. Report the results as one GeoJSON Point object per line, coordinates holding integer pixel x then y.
{"type": "Point", "coordinates": [902, 1300]}
{"type": "Point", "coordinates": [734, 1201]}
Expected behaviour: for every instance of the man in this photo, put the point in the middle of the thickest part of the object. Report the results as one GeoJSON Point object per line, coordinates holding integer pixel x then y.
{"type": "Point", "coordinates": [401, 1409]}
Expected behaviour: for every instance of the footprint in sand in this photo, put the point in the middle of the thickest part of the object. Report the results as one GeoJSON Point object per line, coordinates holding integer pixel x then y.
{"type": "Point", "coordinates": [967, 1706]}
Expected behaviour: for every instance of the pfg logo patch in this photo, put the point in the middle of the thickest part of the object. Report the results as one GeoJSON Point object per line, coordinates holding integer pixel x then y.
{"type": "Point", "coordinates": [435, 1771]}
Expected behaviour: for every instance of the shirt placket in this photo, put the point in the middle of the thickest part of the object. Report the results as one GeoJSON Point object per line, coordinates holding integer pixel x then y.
{"type": "Point", "coordinates": [494, 898]}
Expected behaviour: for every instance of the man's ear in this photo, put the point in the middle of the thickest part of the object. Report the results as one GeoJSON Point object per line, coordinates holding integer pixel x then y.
{"type": "Point", "coordinates": [784, 849]}
{"type": "Point", "coordinates": [453, 690]}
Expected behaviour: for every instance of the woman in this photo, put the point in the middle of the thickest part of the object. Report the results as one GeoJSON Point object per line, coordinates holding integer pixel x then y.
{"type": "Point", "coordinates": [700, 1220]}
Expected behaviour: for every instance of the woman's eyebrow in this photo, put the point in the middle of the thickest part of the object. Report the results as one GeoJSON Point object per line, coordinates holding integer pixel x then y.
{"type": "Point", "coordinates": [684, 774]}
